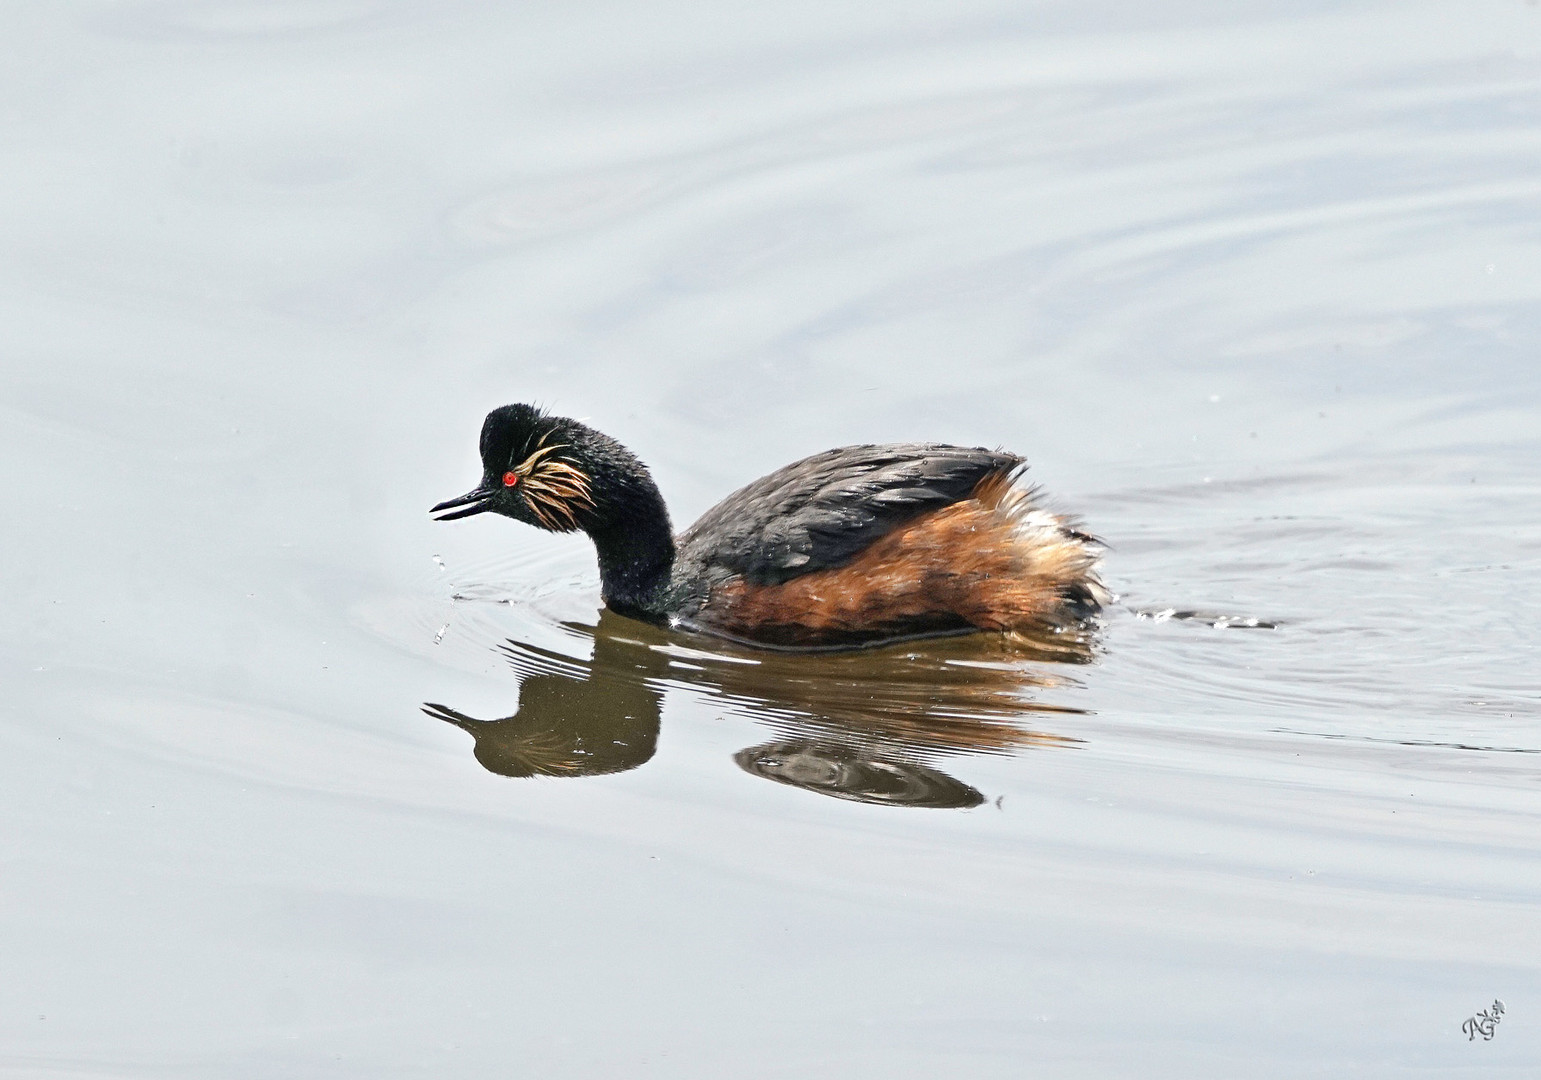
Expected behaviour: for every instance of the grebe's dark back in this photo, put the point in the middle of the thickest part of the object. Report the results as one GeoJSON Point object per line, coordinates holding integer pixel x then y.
{"type": "Point", "coordinates": [850, 547]}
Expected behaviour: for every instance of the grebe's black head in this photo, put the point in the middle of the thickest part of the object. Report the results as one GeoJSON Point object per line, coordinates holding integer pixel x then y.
{"type": "Point", "coordinates": [534, 470]}
{"type": "Point", "coordinates": [554, 473]}
{"type": "Point", "coordinates": [560, 475]}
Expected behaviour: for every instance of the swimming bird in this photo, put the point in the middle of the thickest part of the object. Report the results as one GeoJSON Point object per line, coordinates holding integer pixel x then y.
{"type": "Point", "coordinates": [852, 547]}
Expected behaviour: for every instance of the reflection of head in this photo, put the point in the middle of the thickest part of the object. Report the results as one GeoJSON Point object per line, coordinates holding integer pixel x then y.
{"type": "Point", "coordinates": [557, 733]}
{"type": "Point", "coordinates": [828, 768]}
{"type": "Point", "coordinates": [601, 718]}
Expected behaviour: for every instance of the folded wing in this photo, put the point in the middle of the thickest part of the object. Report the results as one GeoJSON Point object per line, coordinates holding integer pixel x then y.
{"type": "Point", "coordinates": [819, 513]}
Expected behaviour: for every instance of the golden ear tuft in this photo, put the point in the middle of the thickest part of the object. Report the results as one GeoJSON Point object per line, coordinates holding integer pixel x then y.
{"type": "Point", "coordinates": [555, 490]}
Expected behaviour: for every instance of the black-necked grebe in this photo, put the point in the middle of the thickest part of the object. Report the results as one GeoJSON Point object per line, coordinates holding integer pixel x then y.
{"type": "Point", "coordinates": [850, 547]}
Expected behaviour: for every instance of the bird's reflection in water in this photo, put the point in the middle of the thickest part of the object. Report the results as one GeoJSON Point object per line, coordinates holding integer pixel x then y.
{"type": "Point", "coordinates": [867, 726]}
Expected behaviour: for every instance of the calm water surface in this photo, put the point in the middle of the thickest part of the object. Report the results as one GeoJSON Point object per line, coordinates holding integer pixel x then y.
{"type": "Point", "coordinates": [300, 783]}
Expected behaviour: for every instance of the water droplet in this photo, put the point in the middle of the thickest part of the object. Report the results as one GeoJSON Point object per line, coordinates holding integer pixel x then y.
{"type": "Point", "coordinates": [439, 563]}
{"type": "Point", "coordinates": [440, 635]}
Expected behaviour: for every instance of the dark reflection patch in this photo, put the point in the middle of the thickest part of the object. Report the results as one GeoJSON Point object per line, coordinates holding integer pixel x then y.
{"type": "Point", "coordinates": [831, 769]}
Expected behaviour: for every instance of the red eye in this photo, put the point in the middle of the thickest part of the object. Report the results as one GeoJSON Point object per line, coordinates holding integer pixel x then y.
{"type": "Point", "coordinates": [510, 479]}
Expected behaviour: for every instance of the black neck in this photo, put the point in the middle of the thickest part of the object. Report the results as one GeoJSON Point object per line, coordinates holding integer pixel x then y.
{"type": "Point", "coordinates": [636, 553]}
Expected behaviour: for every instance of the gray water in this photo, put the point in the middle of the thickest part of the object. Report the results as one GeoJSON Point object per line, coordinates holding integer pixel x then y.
{"type": "Point", "coordinates": [1254, 287]}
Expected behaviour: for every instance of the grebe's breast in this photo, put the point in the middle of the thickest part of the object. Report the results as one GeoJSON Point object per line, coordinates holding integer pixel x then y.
{"type": "Point", "coordinates": [870, 543]}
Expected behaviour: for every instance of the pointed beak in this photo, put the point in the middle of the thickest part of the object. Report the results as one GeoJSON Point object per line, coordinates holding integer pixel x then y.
{"type": "Point", "coordinates": [475, 502]}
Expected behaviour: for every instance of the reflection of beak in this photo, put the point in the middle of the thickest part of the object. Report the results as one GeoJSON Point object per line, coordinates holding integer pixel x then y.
{"type": "Point", "coordinates": [476, 502]}
{"type": "Point", "coordinates": [445, 713]}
